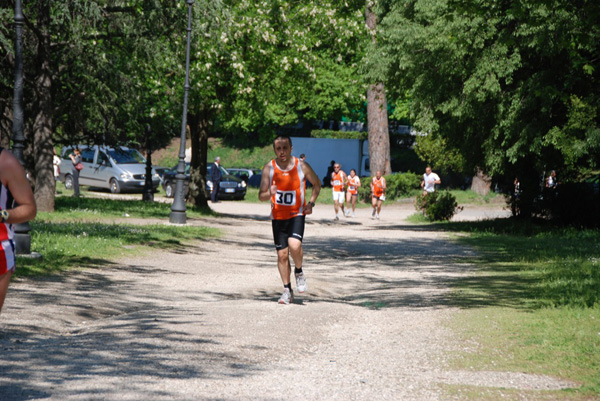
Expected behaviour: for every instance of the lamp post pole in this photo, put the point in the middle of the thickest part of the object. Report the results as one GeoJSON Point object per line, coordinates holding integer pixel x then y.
{"type": "Point", "coordinates": [178, 215]}
{"type": "Point", "coordinates": [22, 237]}
{"type": "Point", "coordinates": [148, 194]}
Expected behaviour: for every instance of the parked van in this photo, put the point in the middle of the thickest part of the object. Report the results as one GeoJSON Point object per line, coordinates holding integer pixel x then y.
{"type": "Point", "coordinates": [119, 169]}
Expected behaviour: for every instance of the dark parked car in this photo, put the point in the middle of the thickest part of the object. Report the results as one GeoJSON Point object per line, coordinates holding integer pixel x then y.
{"type": "Point", "coordinates": [231, 187]}
{"type": "Point", "coordinates": [243, 173]}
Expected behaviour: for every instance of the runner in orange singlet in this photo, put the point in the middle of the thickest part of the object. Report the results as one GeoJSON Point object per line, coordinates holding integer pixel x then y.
{"type": "Point", "coordinates": [338, 181]}
{"type": "Point", "coordinates": [378, 193]}
{"type": "Point", "coordinates": [352, 192]}
{"type": "Point", "coordinates": [283, 182]}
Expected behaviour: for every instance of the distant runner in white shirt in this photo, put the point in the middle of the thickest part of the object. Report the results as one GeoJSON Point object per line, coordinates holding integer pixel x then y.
{"type": "Point", "coordinates": [430, 179]}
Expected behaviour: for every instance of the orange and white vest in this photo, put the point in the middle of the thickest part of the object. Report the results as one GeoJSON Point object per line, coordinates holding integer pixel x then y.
{"type": "Point", "coordinates": [288, 202]}
{"type": "Point", "coordinates": [353, 184]}
{"type": "Point", "coordinates": [337, 181]}
{"type": "Point", "coordinates": [378, 186]}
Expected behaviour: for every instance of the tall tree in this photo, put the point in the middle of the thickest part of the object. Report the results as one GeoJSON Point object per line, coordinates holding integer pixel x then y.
{"type": "Point", "coordinates": [260, 65]}
{"type": "Point", "coordinates": [377, 113]}
{"type": "Point", "coordinates": [510, 86]}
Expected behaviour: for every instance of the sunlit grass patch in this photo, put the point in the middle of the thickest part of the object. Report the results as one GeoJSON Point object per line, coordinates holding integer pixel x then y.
{"type": "Point", "coordinates": [534, 304]}
{"type": "Point", "coordinates": [74, 244]}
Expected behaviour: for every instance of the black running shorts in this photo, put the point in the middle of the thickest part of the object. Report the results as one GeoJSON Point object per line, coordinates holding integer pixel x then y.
{"type": "Point", "coordinates": [285, 229]}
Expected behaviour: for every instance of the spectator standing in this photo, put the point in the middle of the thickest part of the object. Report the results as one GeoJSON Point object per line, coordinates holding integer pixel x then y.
{"type": "Point", "coordinates": [17, 205]}
{"type": "Point", "coordinates": [552, 182]}
{"type": "Point", "coordinates": [327, 179]}
{"type": "Point", "coordinates": [215, 177]}
{"type": "Point", "coordinates": [515, 196]}
{"type": "Point", "coordinates": [76, 159]}
{"type": "Point", "coordinates": [56, 163]}
{"type": "Point", "coordinates": [430, 180]}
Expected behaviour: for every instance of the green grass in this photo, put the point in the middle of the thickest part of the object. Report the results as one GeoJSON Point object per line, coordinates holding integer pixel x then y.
{"type": "Point", "coordinates": [78, 234]}
{"type": "Point", "coordinates": [417, 218]}
{"type": "Point", "coordinates": [91, 208]}
{"type": "Point", "coordinates": [473, 198]}
{"type": "Point", "coordinates": [534, 303]}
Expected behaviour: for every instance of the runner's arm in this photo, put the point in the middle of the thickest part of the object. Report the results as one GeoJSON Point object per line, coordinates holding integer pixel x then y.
{"type": "Point", "coordinates": [264, 193]}
{"type": "Point", "coordinates": [20, 189]}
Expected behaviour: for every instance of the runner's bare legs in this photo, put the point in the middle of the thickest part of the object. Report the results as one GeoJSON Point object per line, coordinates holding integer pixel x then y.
{"type": "Point", "coordinates": [283, 259]}
{"type": "Point", "coordinates": [4, 281]}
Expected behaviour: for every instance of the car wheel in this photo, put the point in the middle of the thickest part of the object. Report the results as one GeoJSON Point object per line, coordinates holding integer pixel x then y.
{"type": "Point", "coordinates": [169, 190]}
{"type": "Point", "coordinates": [114, 186]}
{"type": "Point", "coordinates": [69, 181]}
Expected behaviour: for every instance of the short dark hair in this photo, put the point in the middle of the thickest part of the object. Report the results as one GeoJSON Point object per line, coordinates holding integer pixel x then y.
{"type": "Point", "coordinates": [302, 156]}
{"type": "Point", "coordinates": [283, 137]}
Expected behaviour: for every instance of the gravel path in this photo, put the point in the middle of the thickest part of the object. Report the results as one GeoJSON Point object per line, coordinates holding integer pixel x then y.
{"type": "Point", "coordinates": [205, 324]}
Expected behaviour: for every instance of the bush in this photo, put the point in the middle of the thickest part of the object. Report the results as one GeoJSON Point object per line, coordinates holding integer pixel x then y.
{"type": "Point", "coordinates": [327, 133]}
{"type": "Point", "coordinates": [398, 185]}
{"type": "Point", "coordinates": [437, 206]}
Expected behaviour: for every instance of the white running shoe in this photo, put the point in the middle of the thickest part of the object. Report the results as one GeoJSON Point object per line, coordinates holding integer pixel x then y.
{"type": "Point", "coordinates": [377, 216]}
{"type": "Point", "coordinates": [287, 297]}
{"type": "Point", "coordinates": [353, 214]}
{"type": "Point", "coordinates": [301, 282]}
{"type": "Point", "coordinates": [347, 213]}
{"type": "Point", "coordinates": [337, 217]}
{"type": "Point", "coordinates": [374, 213]}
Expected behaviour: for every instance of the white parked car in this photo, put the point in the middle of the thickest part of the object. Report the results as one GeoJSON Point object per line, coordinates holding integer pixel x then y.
{"type": "Point", "coordinates": [119, 169]}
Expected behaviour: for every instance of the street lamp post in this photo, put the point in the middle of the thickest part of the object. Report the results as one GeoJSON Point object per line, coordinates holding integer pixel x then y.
{"type": "Point", "coordinates": [178, 215]}
{"type": "Point", "coordinates": [22, 237]}
{"type": "Point", "coordinates": [148, 194]}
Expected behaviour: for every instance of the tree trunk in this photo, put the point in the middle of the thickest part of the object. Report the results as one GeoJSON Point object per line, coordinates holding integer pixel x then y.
{"type": "Point", "coordinates": [45, 185]}
{"type": "Point", "coordinates": [481, 183]}
{"type": "Point", "coordinates": [199, 128]}
{"type": "Point", "coordinates": [379, 134]}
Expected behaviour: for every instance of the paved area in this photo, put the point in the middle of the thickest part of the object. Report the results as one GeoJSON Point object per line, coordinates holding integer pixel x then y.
{"type": "Point", "coordinates": [204, 324]}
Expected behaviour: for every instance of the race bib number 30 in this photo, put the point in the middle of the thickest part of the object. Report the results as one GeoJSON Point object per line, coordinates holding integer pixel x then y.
{"type": "Point", "coordinates": [285, 198]}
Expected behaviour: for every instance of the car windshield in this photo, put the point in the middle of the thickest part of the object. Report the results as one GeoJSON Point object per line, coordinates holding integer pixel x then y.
{"type": "Point", "coordinates": [126, 156]}
{"type": "Point", "coordinates": [223, 171]}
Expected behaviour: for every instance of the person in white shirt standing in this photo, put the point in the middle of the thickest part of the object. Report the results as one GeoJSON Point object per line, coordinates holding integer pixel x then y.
{"type": "Point", "coordinates": [430, 179]}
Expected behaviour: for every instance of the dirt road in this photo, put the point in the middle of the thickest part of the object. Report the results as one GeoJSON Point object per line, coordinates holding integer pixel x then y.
{"type": "Point", "coordinates": [205, 324]}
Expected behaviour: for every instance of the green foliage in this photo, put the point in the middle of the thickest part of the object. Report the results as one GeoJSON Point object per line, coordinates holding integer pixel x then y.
{"type": "Point", "coordinates": [437, 206]}
{"type": "Point", "coordinates": [327, 133]}
{"type": "Point", "coordinates": [513, 85]}
{"type": "Point", "coordinates": [397, 186]}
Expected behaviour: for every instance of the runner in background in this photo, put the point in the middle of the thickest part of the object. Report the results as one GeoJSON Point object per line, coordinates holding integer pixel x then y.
{"type": "Point", "coordinates": [352, 192]}
{"type": "Point", "coordinates": [377, 193]}
{"type": "Point", "coordinates": [283, 182]}
{"type": "Point", "coordinates": [338, 181]}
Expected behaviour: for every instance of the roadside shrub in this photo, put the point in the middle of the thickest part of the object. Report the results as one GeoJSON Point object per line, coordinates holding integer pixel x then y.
{"type": "Point", "coordinates": [437, 206]}
{"type": "Point", "coordinates": [401, 184]}
{"type": "Point", "coordinates": [398, 185]}
{"type": "Point", "coordinates": [327, 133]}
